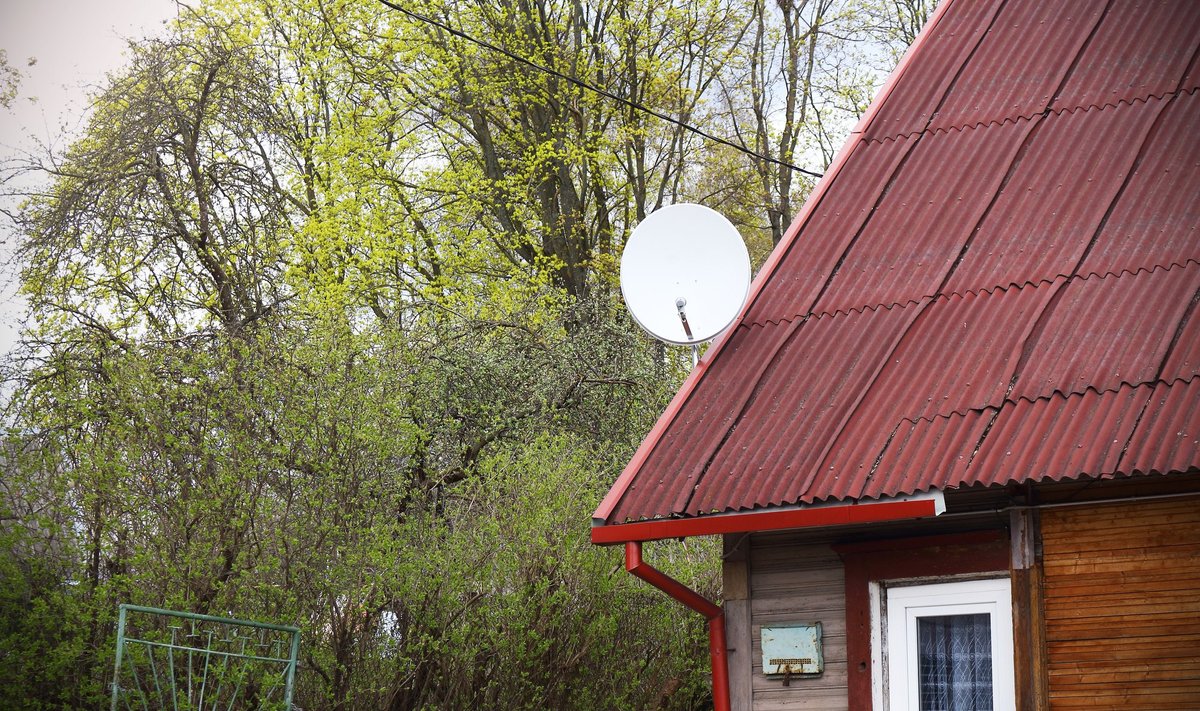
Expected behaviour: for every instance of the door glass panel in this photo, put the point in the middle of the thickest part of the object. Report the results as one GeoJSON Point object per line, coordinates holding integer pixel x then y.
{"type": "Point", "coordinates": [946, 646]}
{"type": "Point", "coordinates": [955, 665]}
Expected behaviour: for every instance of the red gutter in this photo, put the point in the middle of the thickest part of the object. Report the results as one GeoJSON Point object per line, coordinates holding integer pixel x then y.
{"type": "Point", "coordinates": [711, 611]}
{"type": "Point", "coordinates": [774, 520]}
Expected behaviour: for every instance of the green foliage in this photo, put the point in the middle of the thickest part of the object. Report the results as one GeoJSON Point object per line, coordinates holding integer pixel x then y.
{"type": "Point", "coordinates": [36, 650]}
{"type": "Point", "coordinates": [417, 501]}
{"type": "Point", "coordinates": [10, 80]}
{"type": "Point", "coordinates": [537, 618]}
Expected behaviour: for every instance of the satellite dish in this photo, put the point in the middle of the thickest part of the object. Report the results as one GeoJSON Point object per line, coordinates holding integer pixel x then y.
{"type": "Point", "coordinates": [685, 274]}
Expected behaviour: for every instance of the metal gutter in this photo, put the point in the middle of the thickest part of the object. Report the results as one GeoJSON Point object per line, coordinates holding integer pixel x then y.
{"type": "Point", "coordinates": [921, 506]}
{"type": "Point", "coordinates": [712, 612]}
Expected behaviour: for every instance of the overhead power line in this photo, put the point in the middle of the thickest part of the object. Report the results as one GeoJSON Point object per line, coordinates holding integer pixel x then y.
{"type": "Point", "coordinates": [593, 88]}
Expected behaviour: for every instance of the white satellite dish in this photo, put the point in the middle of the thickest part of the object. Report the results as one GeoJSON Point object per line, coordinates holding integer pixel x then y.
{"type": "Point", "coordinates": [685, 274]}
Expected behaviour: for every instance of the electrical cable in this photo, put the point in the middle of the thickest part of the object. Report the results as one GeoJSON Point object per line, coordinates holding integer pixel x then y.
{"type": "Point", "coordinates": [593, 88]}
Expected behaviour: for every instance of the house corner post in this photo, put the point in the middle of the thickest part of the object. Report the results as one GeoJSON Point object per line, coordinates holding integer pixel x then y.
{"type": "Point", "coordinates": [739, 641]}
{"type": "Point", "coordinates": [1029, 631]}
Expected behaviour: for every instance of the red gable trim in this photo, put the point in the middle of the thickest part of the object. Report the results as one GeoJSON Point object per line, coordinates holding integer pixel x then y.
{"type": "Point", "coordinates": [901, 67]}
{"type": "Point", "coordinates": [775, 520]}
{"type": "Point", "coordinates": [610, 501]}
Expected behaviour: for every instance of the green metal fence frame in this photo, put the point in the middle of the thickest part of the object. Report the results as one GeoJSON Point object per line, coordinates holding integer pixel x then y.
{"type": "Point", "coordinates": [294, 632]}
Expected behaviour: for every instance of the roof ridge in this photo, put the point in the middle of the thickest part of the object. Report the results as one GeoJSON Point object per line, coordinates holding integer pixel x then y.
{"type": "Point", "coordinates": [1056, 393]}
{"type": "Point", "coordinates": [980, 291]}
{"type": "Point", "coordinates": [1048, 111]}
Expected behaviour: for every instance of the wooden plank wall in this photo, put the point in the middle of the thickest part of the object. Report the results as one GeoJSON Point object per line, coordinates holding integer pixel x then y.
{"type": "Point", "coordinates": [1122, 605]}
{"type": "Point", "coordinates": [792, 582]}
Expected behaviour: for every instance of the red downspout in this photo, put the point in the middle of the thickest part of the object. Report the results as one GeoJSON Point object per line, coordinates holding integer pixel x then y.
{"type": "Point", "coordinates": [711, 611]}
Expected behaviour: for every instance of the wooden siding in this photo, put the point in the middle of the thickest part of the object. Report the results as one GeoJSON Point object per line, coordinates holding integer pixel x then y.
{"type": "Point", "coordinates": [1122, 605]}
{"type": "Point", "coordinates": [794, 582]}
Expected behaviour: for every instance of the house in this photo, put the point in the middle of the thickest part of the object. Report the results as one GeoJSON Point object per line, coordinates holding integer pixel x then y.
{"type": "Point", "coordinates": [952, 443]}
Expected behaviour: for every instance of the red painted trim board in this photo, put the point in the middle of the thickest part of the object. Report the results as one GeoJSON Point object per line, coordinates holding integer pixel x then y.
{"type": "Point", "coordinates": [980, 552]}
{"type": "Point", "coordinates": [774, 520]}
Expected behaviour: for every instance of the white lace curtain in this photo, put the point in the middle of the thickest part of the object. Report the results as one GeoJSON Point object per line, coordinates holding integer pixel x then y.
{"type": "Point", "coordinates": [955, 662]}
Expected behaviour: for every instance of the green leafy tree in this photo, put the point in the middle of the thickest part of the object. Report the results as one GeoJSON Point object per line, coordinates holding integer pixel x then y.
{"type": "Point", "coordinates": [10, 80]}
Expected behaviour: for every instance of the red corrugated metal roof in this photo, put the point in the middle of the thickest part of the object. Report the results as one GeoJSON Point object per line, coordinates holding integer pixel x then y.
{"type": "Point", "coordinates": [1036, 44]}
{"type": "Point", "coordinates": [997, 281]}
{"type": "Point", "coordinates": [887, 266]}
{"type": "Point", "coordinates": [1139, 50]}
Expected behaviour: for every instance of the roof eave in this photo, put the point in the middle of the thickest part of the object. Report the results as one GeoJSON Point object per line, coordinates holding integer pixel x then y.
{"type": "Point", "coordinates": [925, 505]}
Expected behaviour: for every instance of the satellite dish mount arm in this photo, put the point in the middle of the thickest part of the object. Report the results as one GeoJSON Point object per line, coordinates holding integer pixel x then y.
{"type": "Point", "coordinates": [687, 329]}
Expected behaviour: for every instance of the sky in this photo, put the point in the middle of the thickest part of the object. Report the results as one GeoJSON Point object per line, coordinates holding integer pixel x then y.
{"type": "Point", "coordinates": [75, 44]}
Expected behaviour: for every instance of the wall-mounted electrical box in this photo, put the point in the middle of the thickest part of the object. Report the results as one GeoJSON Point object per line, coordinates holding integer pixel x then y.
{"type": "Point", "coordinates": [792, 651]}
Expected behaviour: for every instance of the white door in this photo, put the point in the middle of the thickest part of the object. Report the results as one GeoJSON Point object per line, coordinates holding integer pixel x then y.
{"type": "Point", "coordinates": [949, 647]}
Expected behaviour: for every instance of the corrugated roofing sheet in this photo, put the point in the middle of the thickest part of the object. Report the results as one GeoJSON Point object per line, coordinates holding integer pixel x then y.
{"type": "Point", "coordinates": [886, 266]}
{"type": "Point", "coordinates": [1036, 43]}
{"type": "Point", "coordinates": [945, 51]}
{"type": "Point", "coordinates": [998, 284]}
{"type": "Point", "coordinates": [1140, 49]}
{"type": "Point", "coordinates": [1036, 228]}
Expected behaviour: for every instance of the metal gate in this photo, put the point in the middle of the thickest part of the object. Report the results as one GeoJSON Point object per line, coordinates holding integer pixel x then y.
{"type": "Point", "coordinates": [187, 662]}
